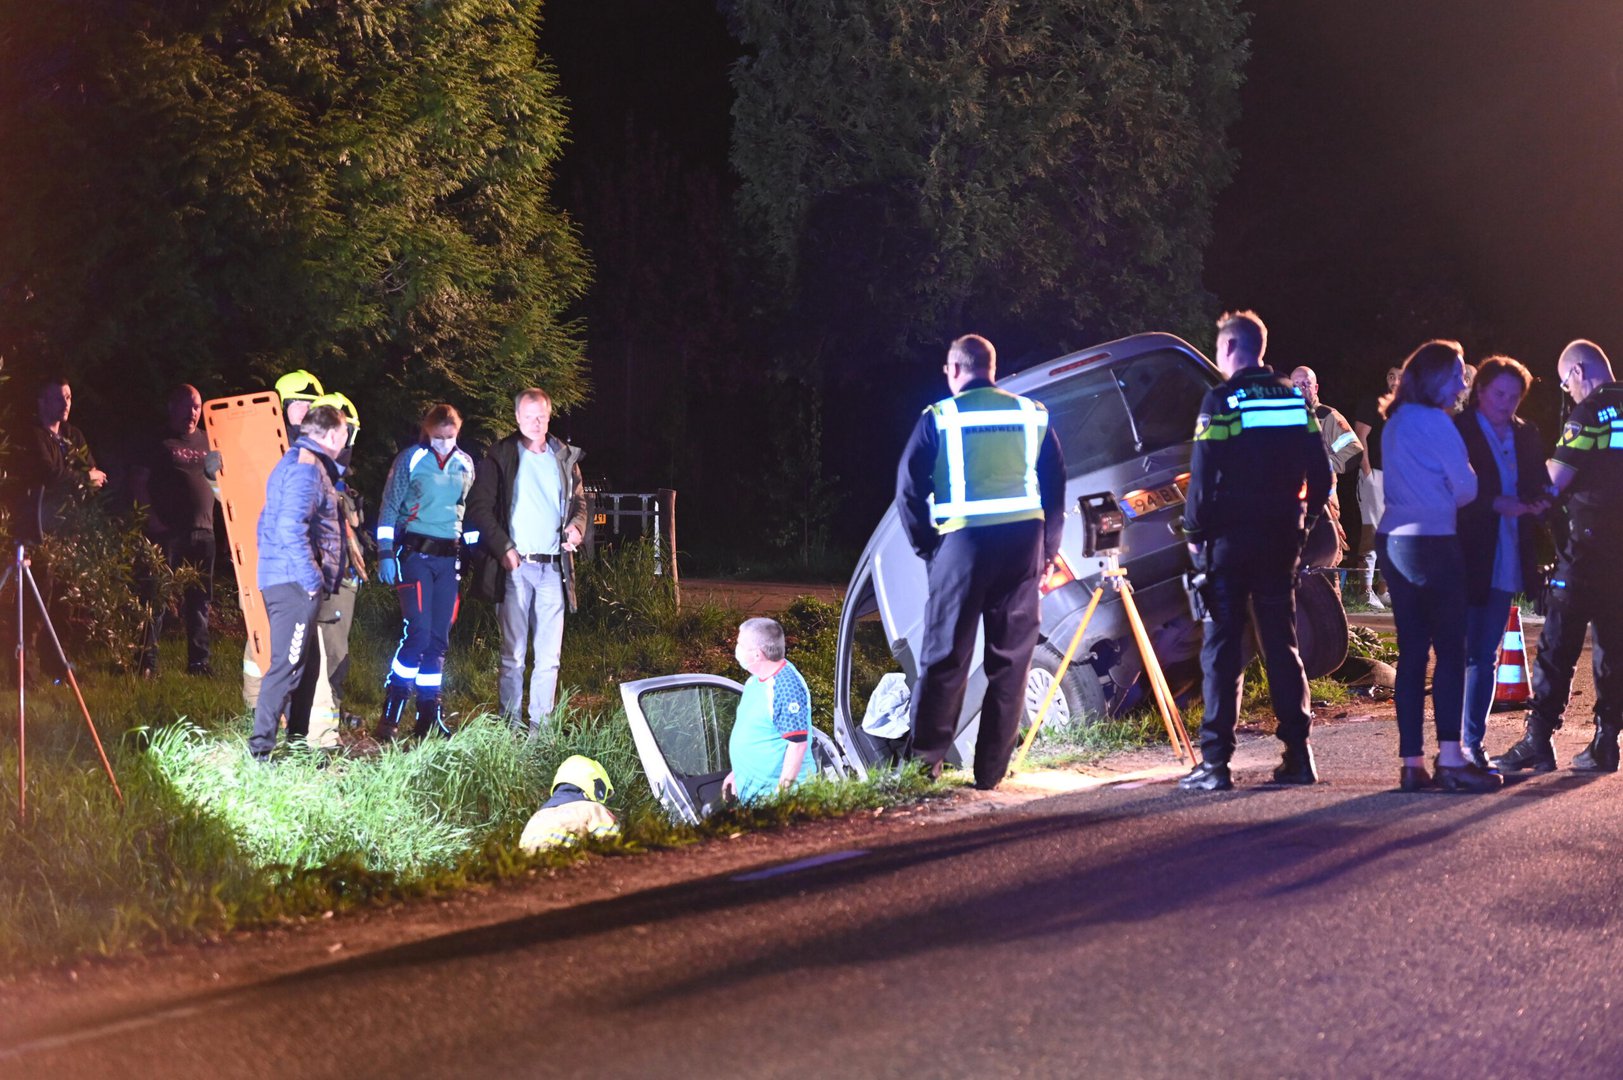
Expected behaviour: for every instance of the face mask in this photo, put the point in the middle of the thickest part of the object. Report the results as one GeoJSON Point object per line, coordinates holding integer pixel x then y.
{"type": "Point", "coordinates": [443, 447]}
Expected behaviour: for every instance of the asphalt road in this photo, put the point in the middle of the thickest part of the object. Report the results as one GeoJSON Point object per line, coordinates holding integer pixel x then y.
{"type": "Point", "coordinates": [1123, 931]}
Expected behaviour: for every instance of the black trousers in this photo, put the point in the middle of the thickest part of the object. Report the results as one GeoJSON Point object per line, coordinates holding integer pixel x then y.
{"type": "Point", "coordinates": [290, 684]}
{"type": "Point", "coordinates": [1259, 571]}
{"type": "Point", "coordinates": [194, 547]}
{"type": "Point", "coordinates": [989, 574]}
{"type": "Point", "coordinates": [1580, 596]}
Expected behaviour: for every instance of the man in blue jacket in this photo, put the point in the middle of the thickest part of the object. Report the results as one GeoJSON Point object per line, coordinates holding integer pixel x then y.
{"type": "Point", "coordinates": [301, 560]}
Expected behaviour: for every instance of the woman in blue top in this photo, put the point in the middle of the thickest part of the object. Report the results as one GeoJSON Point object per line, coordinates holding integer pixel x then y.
{"type": "Point", "coordinates": [1428, 476]}
{"type": "Point", "coordinates": [1499, 530]}
{"type": "Point", "coordinates": [419, 542]}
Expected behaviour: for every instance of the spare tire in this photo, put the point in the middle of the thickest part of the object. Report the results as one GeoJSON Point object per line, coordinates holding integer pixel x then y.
{"type": "Point", "coordinates": [1081, 698]}
{"type": "Point", "coordinates": [1321, 625]}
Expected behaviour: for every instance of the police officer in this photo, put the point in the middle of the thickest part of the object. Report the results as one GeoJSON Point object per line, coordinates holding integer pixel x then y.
{"type": "Point", "coordinates": [1588, 470]}
{"type": "Point", "coordinates": [981, 492]}
{"type": "Point", "coordinates": [1257, 450]}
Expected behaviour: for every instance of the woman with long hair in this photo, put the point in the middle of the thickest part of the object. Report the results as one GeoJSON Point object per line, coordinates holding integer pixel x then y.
{"type": "Point", "coordinates": [1499, 530]}
{"type": "Point", "coordinates": [1428, 477]}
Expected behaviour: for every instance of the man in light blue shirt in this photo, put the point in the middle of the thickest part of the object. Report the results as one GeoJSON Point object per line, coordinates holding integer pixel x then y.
{"type": "Point", "coordinates": [767, 748]}
{"type": "Point", "coordinates": [527, 513]}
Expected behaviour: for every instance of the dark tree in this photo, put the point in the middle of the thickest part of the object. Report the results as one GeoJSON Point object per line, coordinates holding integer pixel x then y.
{"type": "Point", "coordinates": [223, 191]}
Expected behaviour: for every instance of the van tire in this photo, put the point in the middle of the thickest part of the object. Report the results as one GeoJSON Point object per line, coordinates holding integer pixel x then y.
{"type": "Point", "coordinates": [1081, 693]}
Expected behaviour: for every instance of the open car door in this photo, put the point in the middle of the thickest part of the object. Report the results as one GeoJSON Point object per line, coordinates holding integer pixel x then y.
{"type": "Point", "coordinates": [681, 724]}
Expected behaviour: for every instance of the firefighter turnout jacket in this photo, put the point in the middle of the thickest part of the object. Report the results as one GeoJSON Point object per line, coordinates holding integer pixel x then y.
{"type": "Point", "coordinates": [1258, 459]}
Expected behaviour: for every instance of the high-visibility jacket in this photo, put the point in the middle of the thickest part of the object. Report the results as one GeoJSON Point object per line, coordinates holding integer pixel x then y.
{"type": "Point", "coordinates": [986, 461]}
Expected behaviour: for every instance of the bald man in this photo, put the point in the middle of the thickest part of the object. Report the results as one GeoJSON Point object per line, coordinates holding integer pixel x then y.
{"type": "Point", "coordinates": [1586, 472]}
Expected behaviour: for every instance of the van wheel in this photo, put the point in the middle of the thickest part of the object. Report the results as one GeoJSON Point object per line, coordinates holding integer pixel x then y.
{"type": "Point", "coordinates": [1081, 698]}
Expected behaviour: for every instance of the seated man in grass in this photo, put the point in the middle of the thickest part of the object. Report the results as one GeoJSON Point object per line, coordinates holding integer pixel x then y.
{"type": "Point", "coordinates": [768, 745]}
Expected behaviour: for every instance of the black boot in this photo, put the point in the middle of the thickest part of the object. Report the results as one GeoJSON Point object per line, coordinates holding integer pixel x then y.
{"type": "Point", "coordinates": [1207, 776]}
{"type": "Point", "coordinates": [394, 703]}
{"type": "Point", "coordinates": [1601, 754]}
{"type": "Point", "coordinates": [1532, 751]}
{"type": "Point", "coordinates": [1296, 765]}
{"type": "Point", "coordinates": [431, 719]}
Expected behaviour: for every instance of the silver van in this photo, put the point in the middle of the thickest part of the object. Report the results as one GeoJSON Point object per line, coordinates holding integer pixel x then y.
{"type": "Point", "coordinates": [1124, 413]}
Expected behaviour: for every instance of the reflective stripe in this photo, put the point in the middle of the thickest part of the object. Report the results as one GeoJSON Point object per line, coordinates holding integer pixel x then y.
{"type": "Point", "coordinates": [1346, 437]}
{"type": "Point", "coordinates": [471, 536]}
{"type": "Point", "coordinates": [1286, 413]}
{"type": "Point", "coordinates": [957, 481]}
{"type": "Point", "coordinates": [402, 670]}
{"type": "Point", "coordinates": [386, 532]}
{"type": "Point", "coordinates": [974, 507]}
{"type": "Point", "coordinates": [1510, 673]}
{"type": "Point", "coordinates": [430, 679]}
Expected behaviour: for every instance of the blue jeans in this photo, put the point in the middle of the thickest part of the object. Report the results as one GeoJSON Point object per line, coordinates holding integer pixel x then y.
{"type": "Point", "coordinates": [1426, 577]}
{"type": "Point", "coordinates": [1484, 631]}
{"type": "Point", "coordinates": [531, 614]}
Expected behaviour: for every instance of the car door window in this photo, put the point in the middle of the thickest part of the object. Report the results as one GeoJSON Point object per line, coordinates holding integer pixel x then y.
{"type": "Point", "coordinates": [1089, 410]}
{"type": "Point", "coordinates": [691, 724]}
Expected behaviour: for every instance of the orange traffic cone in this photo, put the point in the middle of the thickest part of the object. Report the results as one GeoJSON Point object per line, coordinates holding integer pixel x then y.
{"type": "Point", "coordinates": [1512, 687]}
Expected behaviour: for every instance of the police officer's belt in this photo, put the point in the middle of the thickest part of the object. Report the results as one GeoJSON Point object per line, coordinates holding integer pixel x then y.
{"type": "Point", "coordinates": [429, 545]}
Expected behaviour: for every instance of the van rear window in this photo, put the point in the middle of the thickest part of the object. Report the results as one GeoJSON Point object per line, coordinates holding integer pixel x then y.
{"type": "Point", "coordinates": [1090, 410]}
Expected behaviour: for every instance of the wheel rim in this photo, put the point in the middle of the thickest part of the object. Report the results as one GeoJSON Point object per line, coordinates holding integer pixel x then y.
{"type": "Point", "coordinates": [1038, 680]}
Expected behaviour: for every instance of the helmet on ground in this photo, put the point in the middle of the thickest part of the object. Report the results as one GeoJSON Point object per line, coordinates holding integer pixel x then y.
{"type": "Point", "coordinates": [587, 775]}
{"type": "Point", "coordinates": [298, 385]}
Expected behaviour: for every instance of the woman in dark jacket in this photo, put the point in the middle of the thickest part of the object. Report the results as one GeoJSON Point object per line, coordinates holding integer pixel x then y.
{"type": "Point", "coordinates": [1500, 533]}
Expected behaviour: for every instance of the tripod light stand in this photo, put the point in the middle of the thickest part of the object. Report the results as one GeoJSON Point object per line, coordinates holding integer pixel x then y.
{"type": "Point", "coordinates": [21, 571]}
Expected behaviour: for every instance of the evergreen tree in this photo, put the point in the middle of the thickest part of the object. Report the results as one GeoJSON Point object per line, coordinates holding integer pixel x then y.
{"type": "Point", "coordinates": [1039, 170]}
{"type": "Point", "coordinates": [222, 191]}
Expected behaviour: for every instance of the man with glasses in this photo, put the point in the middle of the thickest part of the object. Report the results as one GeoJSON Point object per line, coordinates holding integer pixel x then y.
{"type": "Point", "coordinates": [1586, 590]}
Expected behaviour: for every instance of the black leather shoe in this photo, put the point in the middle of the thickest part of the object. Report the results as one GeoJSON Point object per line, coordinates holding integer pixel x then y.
{"type": "Point", "coordinates": [1413, 778]}
{"type": "Point", "coordinates": [1207, 776]}
{"type": "Point", "coordinates": [1467, 777]}
{"type": "Point", "coordinates": [1532, 751]}
{"type": "Point", "coordinates": [1601, 755]}
{"type": "Point", "coordinates": [1296, 766]}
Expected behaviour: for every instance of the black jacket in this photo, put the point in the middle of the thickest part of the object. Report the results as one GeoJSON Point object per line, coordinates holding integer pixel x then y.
{"type": "Point", "coordinates": [1478, 525]}
{"type": "Point", "coordinates": [490, 511]}
{"type": "Point", "coordinates": [1242, 477]}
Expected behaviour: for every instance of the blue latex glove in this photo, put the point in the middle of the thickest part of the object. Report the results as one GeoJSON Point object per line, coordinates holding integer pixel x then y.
{"type": "Point", "coordinates": [389, 568]}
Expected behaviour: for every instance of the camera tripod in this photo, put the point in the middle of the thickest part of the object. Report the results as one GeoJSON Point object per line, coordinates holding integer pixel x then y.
{"type": "Point", "coordinates": [21, 570]}
{"type": "Point", "coordinates": [1114, 576]}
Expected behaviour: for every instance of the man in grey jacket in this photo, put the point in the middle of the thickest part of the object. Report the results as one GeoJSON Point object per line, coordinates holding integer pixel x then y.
{"type": "Point", "coordinates": [301, 560]}
{"type": "Point", "coordinates": [529, 514]}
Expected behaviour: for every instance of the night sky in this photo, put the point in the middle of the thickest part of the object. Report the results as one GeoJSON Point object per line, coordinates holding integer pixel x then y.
{"type": "Point", "coordinates": [1448, 167]}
